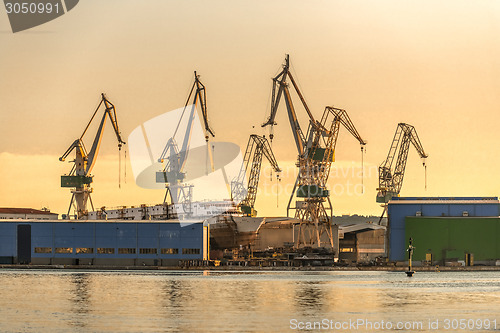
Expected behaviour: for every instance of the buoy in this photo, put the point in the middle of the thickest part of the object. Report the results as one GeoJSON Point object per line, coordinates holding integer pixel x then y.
{"type": "Point", "coordinates": [410, 272]}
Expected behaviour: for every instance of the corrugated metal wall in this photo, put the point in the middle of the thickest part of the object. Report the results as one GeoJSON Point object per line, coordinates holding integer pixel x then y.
{"type": "Point", "coordinates": [105, 240]}
{"type": "Point", "coordinates": [449, 238]}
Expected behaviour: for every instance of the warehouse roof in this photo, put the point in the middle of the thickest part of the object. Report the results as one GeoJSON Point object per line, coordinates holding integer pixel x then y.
{"type": "Point", "coordinates": [444, 202]}
{"type": "Point", "coordinates": [182, 223]}
{"type": "Point", "coordinates": [444, 199]}
{"type": "Point", "coordinates": [358, 227]}
{"type": "Point", "coordinates": [4, 210]}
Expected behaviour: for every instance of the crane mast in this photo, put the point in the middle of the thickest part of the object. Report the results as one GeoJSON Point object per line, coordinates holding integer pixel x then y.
{"type": "Point", "coordinates": [79, 177]}
{"type": "Point", "coordinates": [316, 152]}
{"type": "Point", "coordinates": [257, 147]}
{"type": "Point", "coordinates": [172, 174]}
{"type": "Point", "coordinates": [391, 171]}
{"type": "Point", "coordinates": [314, 169]}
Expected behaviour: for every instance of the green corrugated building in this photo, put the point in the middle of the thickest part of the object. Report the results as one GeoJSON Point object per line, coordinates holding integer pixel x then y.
{"type": "Point", "coordinates": [452, 238]}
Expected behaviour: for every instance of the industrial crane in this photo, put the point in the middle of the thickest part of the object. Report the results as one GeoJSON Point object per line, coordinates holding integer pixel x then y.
{"type": "Point", "coordinates": [257, 147]}
{"type": "Point", "coordinates": [390, 174]}
{"type": "Point", "coordinates": [172, 174]}
{"type": "Point", "coordinates": [79, 177]}
{"type": "Point", "coordinates": [316, 152]}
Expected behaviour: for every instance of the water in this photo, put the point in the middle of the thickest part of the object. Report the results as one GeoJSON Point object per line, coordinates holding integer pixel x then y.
{"type": "Point", "coordinates": [179, 301]}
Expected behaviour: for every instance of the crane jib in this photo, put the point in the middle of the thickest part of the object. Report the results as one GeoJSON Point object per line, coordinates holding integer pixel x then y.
{"type": "Point", "coordinates": [91, 157]}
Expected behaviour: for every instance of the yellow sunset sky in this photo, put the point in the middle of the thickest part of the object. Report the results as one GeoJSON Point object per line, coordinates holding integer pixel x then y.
{"type": "Point", "coordinates": [432, 64]}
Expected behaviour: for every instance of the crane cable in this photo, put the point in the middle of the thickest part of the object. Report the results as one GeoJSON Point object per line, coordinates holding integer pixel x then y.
{"type": "Point", "coordinates": [277, 190]}
{"type": "Point", "coordinates": [119, 167]}
{"type": "Point", "coordinates": [362, 171]}
{"type": "Point", "coordinates": [125, 176]}
{"type": "Point", "coordinates": [425, 172]}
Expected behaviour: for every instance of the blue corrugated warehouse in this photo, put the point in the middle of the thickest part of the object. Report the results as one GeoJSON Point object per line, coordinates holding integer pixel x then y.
{"type": "Point", "coordinates": [401, 207]}
{"type": "Point", "coordinates": [102, 242]}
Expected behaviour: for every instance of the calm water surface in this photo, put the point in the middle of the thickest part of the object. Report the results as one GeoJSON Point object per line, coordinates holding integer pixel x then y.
{"type": "Point", "coordinates": [142, 301]}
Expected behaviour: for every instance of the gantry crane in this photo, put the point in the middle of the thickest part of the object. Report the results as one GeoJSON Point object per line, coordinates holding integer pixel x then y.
{"type": "Point", "coordinates": [257, 147]}
{"type": "Point", "coordinates": [79, 177]}
{"type": "Point", "coordinates": [390, 174]}
{"type": "Point", "coordinates": [172, 174]}
{"type": "Point", "coordinates": [316, 152]}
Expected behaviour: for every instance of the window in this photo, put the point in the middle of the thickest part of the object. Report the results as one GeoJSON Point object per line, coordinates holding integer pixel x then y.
{"type": "Point", "coordinates": [126, 250]}
{"type": "Point", "coordinates": [170, 251]}
{"type": "Point", "coordinates": [346, 249]}
{"type": "Point", "coordinates": [43, 250]}
{"type": "Point", "coordinates": [84, 250]}
{"type": "Point", "coordinates": [190, 251]}
{"type": "Point", "coordinates": [64, 250]}
{"type": "Point", "coordinates": [148, 251]}
{"type": "Point", "coordinates": [105, 250]}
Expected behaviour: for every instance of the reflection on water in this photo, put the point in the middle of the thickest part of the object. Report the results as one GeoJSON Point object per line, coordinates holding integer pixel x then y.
{"type": "Point", "coordinates": [308, 297]}
{"type": "Point", "coordinates": [173, 291]}
{"type": "Point", "coordinates": [81, 298]}
{"type": "Point", "coordinates": [141, 301]}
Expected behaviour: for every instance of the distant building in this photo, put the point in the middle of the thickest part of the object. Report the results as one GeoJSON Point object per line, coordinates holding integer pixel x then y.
{"type": "Point", "coordinates": [26, 213]}
{"type": "Point", "coordinates": [361, 242]}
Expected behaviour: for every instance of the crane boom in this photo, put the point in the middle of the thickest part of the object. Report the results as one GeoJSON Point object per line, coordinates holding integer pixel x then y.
{"type": "Point", "coordinates": [340, 117]}
{"type": "Point", "coordinates": [278, 81]}
{"type": "Point", "coordinates": [111, 113]}
{"type": "Point", "coordinates": [391, 171]}
{"type": "Point", "coordinates": [257, 147]}
{"type": "Point", "coordinates": [298, 135]}
{"type": "Point", "coordinates": [201, 96]}
{"type": "Point", "coordinates": [280, 88]}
